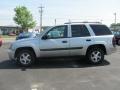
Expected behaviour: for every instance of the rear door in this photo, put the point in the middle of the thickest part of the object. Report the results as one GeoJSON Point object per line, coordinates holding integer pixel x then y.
{"type": "Point", "coordinates": [80, 37]}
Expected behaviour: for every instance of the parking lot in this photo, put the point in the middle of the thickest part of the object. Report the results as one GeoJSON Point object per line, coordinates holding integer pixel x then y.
{"type": "Point", "coordinates": [60, 74]}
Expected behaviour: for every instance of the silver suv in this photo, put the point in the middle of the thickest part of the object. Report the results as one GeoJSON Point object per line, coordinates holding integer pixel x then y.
{"type": "Point", "coordinates": [93, 40]}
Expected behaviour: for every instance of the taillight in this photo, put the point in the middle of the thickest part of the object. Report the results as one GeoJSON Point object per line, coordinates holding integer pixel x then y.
{"type": "Point", "coordinates": [114, 41]}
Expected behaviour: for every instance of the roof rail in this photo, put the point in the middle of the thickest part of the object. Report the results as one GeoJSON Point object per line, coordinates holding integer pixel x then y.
{"type": "Point", "coordinates": [80, 22]}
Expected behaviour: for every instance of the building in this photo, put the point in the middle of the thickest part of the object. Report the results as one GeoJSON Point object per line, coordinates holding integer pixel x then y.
{"type": "Point", "coordinates": [5, 30]}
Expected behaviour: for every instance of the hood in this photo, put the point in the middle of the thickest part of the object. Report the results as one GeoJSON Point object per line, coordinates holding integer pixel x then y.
{"type": "Point", "coordinates": [26, 42]}
{"type": "Point", "coordinates": [26, 39]}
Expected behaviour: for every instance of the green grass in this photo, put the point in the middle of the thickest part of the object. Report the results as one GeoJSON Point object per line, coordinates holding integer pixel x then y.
{"type": "Point", "coordinates": [6, 36]}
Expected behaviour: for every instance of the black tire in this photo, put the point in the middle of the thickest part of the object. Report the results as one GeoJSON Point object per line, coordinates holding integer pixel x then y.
{"type": "Point", "coordinates": [31, 58]}
{"type": "Point", "coordinates": [95, 59]}
{"type": "Point", "coordinates": [118, 42]}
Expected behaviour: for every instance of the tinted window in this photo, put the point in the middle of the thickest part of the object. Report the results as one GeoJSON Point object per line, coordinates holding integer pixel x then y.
{"type": "Point", "coordinates": [58, 32]}
{"type": "Point", "coordinates": [101, 30]}
{"type": "Point", "coordinates": [79, 31]}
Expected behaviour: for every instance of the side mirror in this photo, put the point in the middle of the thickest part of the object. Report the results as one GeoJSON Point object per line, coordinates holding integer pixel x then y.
{"type": "Point", "coordinates": [45, 37]}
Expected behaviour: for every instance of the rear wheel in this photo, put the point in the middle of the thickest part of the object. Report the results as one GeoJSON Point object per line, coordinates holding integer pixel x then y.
{"type": "Point", "coordinates": [95, 55]}
{"type": "Point", "coordinates": [25, 58]}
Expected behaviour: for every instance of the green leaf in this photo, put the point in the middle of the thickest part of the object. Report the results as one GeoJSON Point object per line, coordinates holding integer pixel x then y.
{"type": "Point", "coordinates": [24, 18]}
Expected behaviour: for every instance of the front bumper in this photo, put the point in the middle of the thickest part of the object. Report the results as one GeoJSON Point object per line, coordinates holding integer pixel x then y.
{"type": "Point", "coordinates": [11, 54]}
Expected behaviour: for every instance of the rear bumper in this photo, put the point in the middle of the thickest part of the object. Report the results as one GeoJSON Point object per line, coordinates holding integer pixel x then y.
{"type": "Point", "coordinates": [111, 50]}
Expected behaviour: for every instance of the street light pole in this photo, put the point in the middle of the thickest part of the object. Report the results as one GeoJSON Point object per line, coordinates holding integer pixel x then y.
{"type": "Point", "coordinates": [41, 14]}
{"type": "Point", "coordinates": [55, 22]}
{"type": "Point", "coordinates": [101, 20]}
{"type": "Point", "coordinates": [115, 17]}
{"type": "Point", "coordinates": [115, 21]}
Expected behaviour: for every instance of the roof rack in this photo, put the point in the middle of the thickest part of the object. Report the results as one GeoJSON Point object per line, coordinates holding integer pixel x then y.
{"type": "Point", "coordinates": [81, 22]}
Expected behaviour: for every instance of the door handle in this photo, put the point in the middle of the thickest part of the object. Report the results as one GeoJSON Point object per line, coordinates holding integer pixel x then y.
{"type": "Point", "coordinates": [64, 41]}
{"type": "Point", "coordinates": [88, 40]}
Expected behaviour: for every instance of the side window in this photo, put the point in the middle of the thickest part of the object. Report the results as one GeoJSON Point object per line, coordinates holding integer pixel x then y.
{"type": "Point", "coordinates": [79, 31]}
{"type": "Point", "coordinates": [101, 30]}
{"type": "Point", "coordinates": [57, 32]}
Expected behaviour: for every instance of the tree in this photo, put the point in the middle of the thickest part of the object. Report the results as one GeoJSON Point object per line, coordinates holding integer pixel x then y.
{"type": "Point", "coordinates": [24, 18]}
{"type": "Point", "coordinates": [115, 27]}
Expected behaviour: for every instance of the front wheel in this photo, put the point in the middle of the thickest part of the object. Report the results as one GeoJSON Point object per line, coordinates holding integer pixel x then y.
{"type": "Point", "coordinates": [95, 55]}
{"type": "Point", "coordinates": [25, 58]}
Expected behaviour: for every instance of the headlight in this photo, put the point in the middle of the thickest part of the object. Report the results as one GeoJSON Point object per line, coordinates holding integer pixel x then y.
{"type": "Point", "coordinates": [11, 46]}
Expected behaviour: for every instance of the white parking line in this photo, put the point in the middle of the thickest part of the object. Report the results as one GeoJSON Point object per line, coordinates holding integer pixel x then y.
{"type": "Point", "coordinates": [34, 87]}
{"type": "Point", "coordinates": [37, 86]}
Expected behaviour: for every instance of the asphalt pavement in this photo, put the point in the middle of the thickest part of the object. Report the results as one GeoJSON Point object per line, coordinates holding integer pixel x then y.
{"type": "Point", "coordinates": [60, 74]}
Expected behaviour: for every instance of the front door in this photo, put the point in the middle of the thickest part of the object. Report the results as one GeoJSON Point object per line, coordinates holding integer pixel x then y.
{"type": "Point", "coordinates": [56, 43]}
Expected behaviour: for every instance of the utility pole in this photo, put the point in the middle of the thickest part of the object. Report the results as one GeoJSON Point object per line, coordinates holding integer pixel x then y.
{"type": "Point", "coordinates": [41, 14]}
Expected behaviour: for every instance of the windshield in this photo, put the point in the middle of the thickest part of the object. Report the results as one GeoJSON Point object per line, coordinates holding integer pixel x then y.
{"type": "Point", "coordinates": [41, 33]}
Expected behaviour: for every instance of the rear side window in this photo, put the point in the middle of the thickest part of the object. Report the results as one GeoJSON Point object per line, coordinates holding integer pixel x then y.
{"type": "Point", "coordinates": [101, 30]}
{"type": "Point", "coordinates": [79, 31]}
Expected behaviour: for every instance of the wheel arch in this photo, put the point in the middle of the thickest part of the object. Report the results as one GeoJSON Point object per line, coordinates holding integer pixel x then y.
{"type": "Point", "coordinates": [24, 48]}
{"type": "Point", "coordinates": [97, 46]}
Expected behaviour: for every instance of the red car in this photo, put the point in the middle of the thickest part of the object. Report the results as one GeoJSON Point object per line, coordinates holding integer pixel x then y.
{"type": "Point", "coordinates": [1, 41]}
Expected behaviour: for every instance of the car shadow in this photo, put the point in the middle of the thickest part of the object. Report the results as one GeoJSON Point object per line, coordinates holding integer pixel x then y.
{"type": "Point", "coordinates": [52, 64]}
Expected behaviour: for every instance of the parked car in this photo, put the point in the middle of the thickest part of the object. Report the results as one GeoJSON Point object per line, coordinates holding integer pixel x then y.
{"type": "Point", "coordinates": [11, 34]}
{"type": "Point", "coordinates": [117, 37]}
{"type": "Point", "coordinates": [1, 41]}
{"type": "Point", "coordinates": [25, 35]}
{"type": "Point", "coordinates": [93, 40]}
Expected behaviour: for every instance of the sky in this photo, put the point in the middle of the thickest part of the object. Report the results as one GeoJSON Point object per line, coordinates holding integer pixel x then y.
{"type": "Point", "coordinates": [63, 11]}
